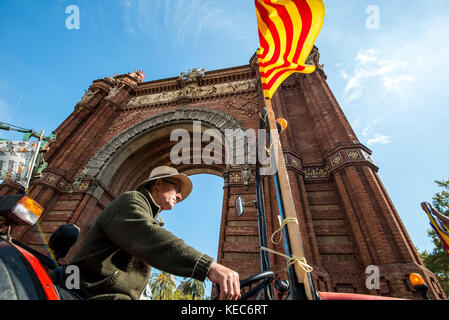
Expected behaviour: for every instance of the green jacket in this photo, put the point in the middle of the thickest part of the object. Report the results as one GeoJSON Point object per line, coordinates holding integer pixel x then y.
{"type": "Point", "coordinates": [123, 244]}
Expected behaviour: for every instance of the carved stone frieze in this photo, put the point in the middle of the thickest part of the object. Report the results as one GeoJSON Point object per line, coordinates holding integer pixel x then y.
{"type": "Point", "coordinates": [62, 184]}
{"type": "Point", "coordinates": [238, 177]}
{"type": "Point", "coordinates": [337, 160]}
{"type": "Point", "coordinates": [72, 187]}
{"type": "Point", "coordinates": [248, 107]}
{"type": "Point", "coordinates": [316, 172]}
{"type": "Point", "coordinates": [193, 91]}
{"type": "Point", "coordinates": [348, 155]}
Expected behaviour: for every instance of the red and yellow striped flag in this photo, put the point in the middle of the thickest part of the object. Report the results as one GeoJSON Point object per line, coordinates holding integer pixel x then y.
{"type": "Point", "coordinates": [437, 225]}
{"type": "Point", "coordinates": [287, 32]}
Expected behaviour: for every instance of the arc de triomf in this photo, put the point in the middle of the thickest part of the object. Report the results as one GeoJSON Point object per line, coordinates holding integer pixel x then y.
{"type": "Point", "coordinates": [120, 130]}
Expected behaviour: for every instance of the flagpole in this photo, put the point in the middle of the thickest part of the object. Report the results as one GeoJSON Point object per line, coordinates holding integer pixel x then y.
{"type": "Point", "coordinates": [294, 236]}
{"type": "Point", "coordinates": [280, 56]}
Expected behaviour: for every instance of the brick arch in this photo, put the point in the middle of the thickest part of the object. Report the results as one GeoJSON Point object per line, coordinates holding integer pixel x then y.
{"type": "Point", "coordinates": [112, 155]}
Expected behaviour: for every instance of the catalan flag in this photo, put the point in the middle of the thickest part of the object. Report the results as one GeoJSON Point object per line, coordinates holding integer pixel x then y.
{"type": "Point", "coordinates": [437, 225]}
{"type": "Point", "coordinates": [287, 32]}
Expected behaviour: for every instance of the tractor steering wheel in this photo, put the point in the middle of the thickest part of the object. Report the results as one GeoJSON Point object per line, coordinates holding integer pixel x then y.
{"type": "Point", "coordinates": [265, 277]}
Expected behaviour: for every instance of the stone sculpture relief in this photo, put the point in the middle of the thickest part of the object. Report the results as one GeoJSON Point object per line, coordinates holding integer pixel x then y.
{"type": "Point", "coordinates": [194, 91]}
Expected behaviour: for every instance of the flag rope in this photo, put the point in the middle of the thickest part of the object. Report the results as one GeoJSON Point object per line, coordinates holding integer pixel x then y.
{"type": "Point", "coordinates": [292, 260]}
{"type": "Point", "coordinates": [281, 226]}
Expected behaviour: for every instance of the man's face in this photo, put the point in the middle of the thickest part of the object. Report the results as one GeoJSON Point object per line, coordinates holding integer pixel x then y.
{"type": "Point", "coordinates": [167, 193]}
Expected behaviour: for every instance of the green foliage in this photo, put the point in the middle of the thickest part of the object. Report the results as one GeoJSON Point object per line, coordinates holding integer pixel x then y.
{"type": "Point", "coordinates": [194, 288]}
{"type": "Point", "coordinates": [437, 260]}
{"type": "Point", "coordinates": [163, 286]}
{"type": "Point", "coordinates": [179, 295]}
{"type": "Point", "coordinates": [441, 199]}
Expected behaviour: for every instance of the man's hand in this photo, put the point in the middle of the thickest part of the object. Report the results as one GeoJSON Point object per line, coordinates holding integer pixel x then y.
{"type": "Point", "coordinates": [227, 279]}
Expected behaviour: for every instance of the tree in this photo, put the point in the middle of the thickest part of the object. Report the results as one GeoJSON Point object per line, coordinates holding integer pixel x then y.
{"type": "Point", "coordinates": [437, 261]}
{"type": "Point", "coordinates": [179, 295]}
{"type": "Point", "coordinates": [162, 286]}
{"type": "Point", "coordinates": [194, 288]}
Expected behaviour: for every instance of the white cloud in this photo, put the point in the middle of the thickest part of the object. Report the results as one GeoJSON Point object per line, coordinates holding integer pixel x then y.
{"type": "Point", "coordinates": [399, 66]}
{"type": "Point", "coordinates": [365, 131]}
{"type": "Point", "coordinates": [373, 68]}
{"type": "Point", "coordinates": [355, 124]}
{"type": "Point", "coordinates": [379, 139]}
{"type": "Point", "coordinates": [395, 83]}
{"type": "Point", "coordinates": [371, 138]}
{"type": "Point", "coordinates": [182, 20]}
{"type": "Point", "coordinates": [353, 96]}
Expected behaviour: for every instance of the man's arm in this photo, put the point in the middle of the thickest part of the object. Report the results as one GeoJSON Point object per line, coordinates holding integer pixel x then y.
{"type": "Point", "coordinates": [132, 229]}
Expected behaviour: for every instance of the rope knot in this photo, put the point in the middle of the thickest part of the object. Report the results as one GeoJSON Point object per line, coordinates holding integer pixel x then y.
{"type": "Point", "coordinates": [281, 226]}
{"type": "Point", "coordinates": [292, 260]}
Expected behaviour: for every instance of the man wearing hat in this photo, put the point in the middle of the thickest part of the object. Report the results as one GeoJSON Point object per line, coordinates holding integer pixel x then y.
{"type": "Point", "coordinates": [126, 240]}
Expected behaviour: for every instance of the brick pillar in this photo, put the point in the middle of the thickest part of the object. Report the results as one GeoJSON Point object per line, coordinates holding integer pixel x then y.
{"type": "Point", "coordinates": [239, 238]}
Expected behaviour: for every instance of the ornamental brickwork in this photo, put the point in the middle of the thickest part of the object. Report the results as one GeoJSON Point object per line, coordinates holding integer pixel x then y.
{"type": "Point", "coordinates": [120, 130]}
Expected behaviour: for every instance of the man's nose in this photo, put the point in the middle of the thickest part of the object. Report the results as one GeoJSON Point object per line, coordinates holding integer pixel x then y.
{"type": "Point", "coordinates": [178, 196]}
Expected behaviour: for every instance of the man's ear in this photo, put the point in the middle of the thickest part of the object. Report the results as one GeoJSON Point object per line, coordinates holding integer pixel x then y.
{"type": "Point", "coordinates": [157, 184]}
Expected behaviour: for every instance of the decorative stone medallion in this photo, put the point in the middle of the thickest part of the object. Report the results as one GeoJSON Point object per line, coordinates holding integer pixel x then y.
{"type": "Point", "coordinates": [336, 159]}
{"type": "Point", "coordinates": [353, 155]}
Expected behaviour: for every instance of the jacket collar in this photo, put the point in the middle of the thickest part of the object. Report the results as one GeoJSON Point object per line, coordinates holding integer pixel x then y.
{"type": "Point", "coordinates": [154, 207]}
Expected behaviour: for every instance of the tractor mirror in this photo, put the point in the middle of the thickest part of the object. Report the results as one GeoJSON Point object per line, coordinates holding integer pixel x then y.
{"type": "Point", "coordinates": [239, 209]}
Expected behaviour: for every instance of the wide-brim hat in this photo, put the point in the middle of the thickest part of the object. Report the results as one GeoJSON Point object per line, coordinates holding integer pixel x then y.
{"type": "Point", "coordinates": [169, 172]}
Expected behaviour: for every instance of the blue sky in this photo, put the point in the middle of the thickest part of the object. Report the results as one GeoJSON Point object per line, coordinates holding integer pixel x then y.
{"type": "Point", "coordinates": [390, 81]}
